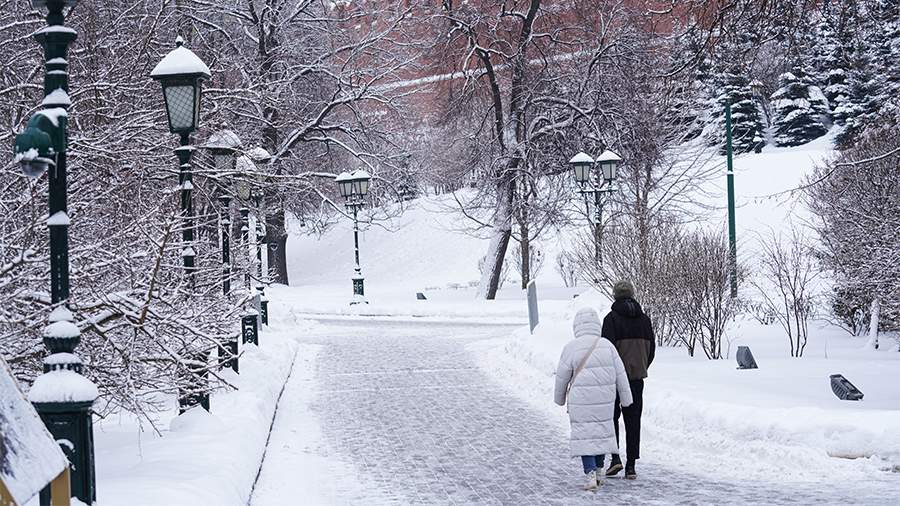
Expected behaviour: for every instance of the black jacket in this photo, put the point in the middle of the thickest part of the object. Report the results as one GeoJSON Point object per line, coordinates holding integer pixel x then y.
{"type": "Point", "coordinates": [630, 330]}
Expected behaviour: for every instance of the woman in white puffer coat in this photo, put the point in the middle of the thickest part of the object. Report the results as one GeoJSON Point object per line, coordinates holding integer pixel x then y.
{"type": "Point", "coordinates": [589, 374]}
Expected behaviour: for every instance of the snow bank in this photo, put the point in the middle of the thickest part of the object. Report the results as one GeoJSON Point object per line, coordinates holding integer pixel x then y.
{"type": "Point", "coordinates": [202, 458]}
{"type": "Point", "coordinates": [780, 422]}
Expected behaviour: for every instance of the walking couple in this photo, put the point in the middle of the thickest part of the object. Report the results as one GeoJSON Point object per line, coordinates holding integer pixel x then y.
{"type": "Point", "coordinates": [600, 376]}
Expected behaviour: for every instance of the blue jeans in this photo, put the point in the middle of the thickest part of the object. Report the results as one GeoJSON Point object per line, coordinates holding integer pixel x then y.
{"type": "Point", "coordinates": [591, 462]}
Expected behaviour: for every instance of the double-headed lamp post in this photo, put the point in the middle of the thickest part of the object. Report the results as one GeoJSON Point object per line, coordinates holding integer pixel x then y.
{"type": "Point", "coordinates": [181, 74]}
{"type": "Point", "coordinates": [353, 188]}
{"type": "Point", "coordinates": [596, 183]}
{"type": "Point", "coordinates": [62, 396]}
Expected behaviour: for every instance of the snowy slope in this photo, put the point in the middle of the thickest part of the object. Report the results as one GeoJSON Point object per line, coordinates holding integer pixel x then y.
{"type": "Point", "coordinates": [428, 247]}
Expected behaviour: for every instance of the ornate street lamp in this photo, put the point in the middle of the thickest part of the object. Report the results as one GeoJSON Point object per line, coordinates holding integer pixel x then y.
{"type": "Point", "coordinates": [181, 74]}
{"type": "Point", "coordinates": [250, 317]}
{"type": "Point", "coordinates": [260, 158]}
{"type": "Point", "coordinates": [591, 182]}
{"type": "Point", "coordinates": [61, 395]}
{"type": "Point", "coordinates": [354, 187]}
{"type": "Point", "coordinates": [223, 145]}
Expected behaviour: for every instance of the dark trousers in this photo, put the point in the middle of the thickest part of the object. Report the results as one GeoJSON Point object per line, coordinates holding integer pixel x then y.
{"type": "Point", "coordinates": [632, 415]}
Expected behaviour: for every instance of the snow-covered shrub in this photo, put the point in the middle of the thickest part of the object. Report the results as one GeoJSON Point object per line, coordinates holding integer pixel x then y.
{"type": "Point", "coordinates": [788, 272]}
{"type": "Point", "coordinates": [855, 199]}
{"type": "Point", "coordinates": [535, 261]}
{"type": "Point", "coordinates": [566, 265]}
{"type": "Point", "coordinates": [703, 306]}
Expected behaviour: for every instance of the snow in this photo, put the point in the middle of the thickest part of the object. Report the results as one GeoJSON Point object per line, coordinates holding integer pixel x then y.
{"type": "Point", "coordinates": [57, 97]}
{"type": "Point", "coordinates": [343, 176]}
{"type": "Point", "coordinates": [783, 414]}
{"type": "Point", "coordinates": [30, 154]}
{"type": "Point", "coordinates": [582, 157]}
{"type": "Point", "coordinates": [259, 155]}
{"type": "Point", "coordinates": [608, 156]}
{"type": "Point", "coordinates": [54, 114]}
{"type": "Point", "coordinates": [60, 313]}
{"type": "Point", "coordinates": [62, 358]}
{"type": "Point", "coordinates": [56, 29]}
{"type": "Point", "coordinates": [30, 458]}
{"type": "Point", "coordinates": [62, 386]}
{"type": "Point", "coordinates": [244, 165]}
{"type": "Point", "coordinates": [59, 219]}
{"type": "Point", "coordinates": [180, 60]}
{"type": "Point", "coordinates": [200, 457]}
{"type": "Point", "coordinates": [62, 329]}
{"type": "Point", "coordinates": [780, 423]}
{"type": "Point", "coordinates": [224, 139]}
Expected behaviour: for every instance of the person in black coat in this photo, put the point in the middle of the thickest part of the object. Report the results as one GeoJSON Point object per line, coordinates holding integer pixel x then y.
{"type": "Point", "coordinates": [631, 331]}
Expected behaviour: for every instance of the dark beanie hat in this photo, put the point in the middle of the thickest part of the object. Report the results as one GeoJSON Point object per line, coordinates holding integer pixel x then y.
{"type": "Point", "coordinates": [623, 289]}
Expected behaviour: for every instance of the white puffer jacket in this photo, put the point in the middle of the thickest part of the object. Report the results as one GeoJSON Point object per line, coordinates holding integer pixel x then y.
{"type": "Point", "coordinates": [592, 395]}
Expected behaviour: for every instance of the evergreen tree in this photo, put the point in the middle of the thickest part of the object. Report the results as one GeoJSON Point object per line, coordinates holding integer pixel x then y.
{"type": "Point", "coordinates": [747, 130]}
{"type": "Point", "coordinates": [800, 108]}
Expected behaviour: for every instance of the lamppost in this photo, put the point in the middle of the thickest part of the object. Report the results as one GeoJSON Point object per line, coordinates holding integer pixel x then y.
{"type": "Point", "coordinates": [250, 316]}
{"type": "Point", "coordinates": [181, 74]}
{"type": "Point", "coordinates": [353, 188]}
{"type": "Point", "coordinates": [61, 395]}
{"type": "Point", "coordinates": [260, 158]}
{"type": "Point", "coordinates": [223, 145]}
{"type": "Point", "coordinates": [591, 183]}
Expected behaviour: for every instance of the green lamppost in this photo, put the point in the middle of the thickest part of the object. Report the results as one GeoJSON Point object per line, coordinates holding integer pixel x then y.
{"type": "Point", "coordinates": [591, 183]}
{"type": "Point", "coordinates": [353, 188]}
{"type": "Point", "coordinates": [181, 74]}
{"type": "Point", "coordinates": [61, 395]}
{"type": "Point", "coordinates": [732, 228]}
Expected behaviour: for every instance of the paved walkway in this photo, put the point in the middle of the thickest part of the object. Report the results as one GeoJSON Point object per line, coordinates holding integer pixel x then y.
{"type": "Point", "coordinates": [405, 410]}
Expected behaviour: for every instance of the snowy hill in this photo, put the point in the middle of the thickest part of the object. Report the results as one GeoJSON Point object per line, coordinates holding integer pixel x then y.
{"type": "Point", "coordinates": [427, 246]}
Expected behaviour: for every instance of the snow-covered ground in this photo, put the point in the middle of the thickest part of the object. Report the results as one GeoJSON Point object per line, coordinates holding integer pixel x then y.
{"type": "Point", "coordinates": [778, 423]}
{"type": "Point", "coordinates": [199, 457]}
{"type": "Point", "coordinates": [336, 441]}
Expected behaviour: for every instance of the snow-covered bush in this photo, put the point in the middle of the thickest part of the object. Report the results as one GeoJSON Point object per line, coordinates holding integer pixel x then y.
{"type": "Point", "coordinates": [535, 261]}
{"type": "Point", "coordinates": [566, 265]}
{"type": "Point", "coordinates": [787, 275]}
{"type": "Point", "coordinates": [703, 306]}
{"type": "Point", "coordinates": [855, 199]}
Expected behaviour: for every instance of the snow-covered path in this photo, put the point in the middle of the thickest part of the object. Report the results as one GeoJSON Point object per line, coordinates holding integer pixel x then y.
{"type": "Point", "coordinates": [400, 413]}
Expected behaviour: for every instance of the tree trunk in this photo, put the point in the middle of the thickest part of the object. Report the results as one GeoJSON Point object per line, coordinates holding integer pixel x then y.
{"type": "Point", "coordinates": [493, 264]}
{"type": "Point", "coordinates": [874, 316]}
{"type": "Point", "coordinates": [524, 249]}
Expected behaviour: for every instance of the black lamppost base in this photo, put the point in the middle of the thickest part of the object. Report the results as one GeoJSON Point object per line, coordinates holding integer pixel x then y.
{"type": "Point", "coordinates": [359, 295]}
{"type": "Point", "coordinates": [250, 328]}
{"type": "Point", "coordinates": [71, 422]}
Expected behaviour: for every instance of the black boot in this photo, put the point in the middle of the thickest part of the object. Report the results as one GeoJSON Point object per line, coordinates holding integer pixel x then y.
{"type": "Point", "coordinates": [615, 465]}
{"type": "Point", "coordinates": [630, 474]}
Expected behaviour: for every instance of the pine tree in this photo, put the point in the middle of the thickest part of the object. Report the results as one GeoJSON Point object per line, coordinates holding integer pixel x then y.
{"type": "Point", "coordinates": [747, 130]}
{"type": "Point", "coordinates": [800, 108]}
